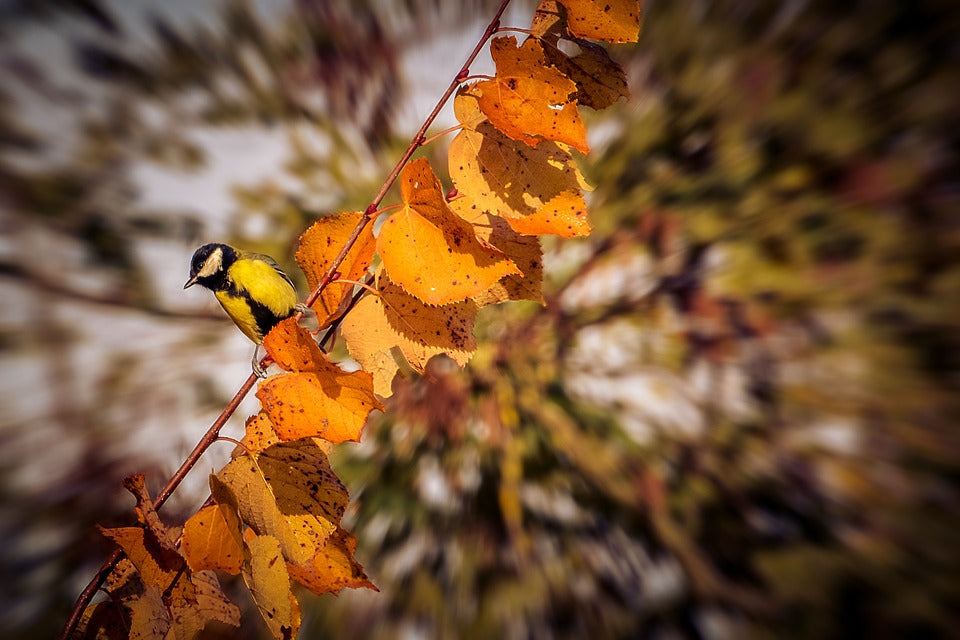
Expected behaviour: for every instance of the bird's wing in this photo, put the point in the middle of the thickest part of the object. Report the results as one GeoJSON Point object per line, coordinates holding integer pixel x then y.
{"type": "Point", "coordinates": [270, 261]}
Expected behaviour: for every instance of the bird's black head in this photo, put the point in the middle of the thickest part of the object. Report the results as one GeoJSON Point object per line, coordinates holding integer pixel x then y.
{"type": "Point", "coordinates": [209, 265]}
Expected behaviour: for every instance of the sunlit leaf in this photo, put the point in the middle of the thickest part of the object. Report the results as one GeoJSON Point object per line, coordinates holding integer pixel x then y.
{"type": "Point", "coordinates": [211, 540]}
{"type": "Point", "coordinates": [565, 216]}
{"type": "Point", "coordinates": [431, 252]}
{"type": "Point", "coordinates": [320, 245]}
{"type": "Point", "coordinates": [524, 250]}
{"type": "Point", "coordinates": [397, 320]}
{"type": "Point", "coordinates": [503, 176]}
{"type": "Point", "coordinates": [613, 20]}
{"type": "Point", "coordinates": [529, 100]}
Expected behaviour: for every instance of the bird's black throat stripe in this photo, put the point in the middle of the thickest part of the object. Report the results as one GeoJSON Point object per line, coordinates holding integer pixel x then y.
{"type": "Point", "coordinates": [264, 317]}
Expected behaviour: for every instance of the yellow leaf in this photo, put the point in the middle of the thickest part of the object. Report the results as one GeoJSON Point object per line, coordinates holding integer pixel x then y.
{"type": "Point", "coordinates": [525, 252]}
{"type": "Point", "coordinates": [211, 540]}
{"type": "Point", "coordinates": [503, 176]}
{"type": "Point", "coordinates": [333, 567]}
{"type": "Point", "coordinates": [432, 253]}
{"type": "Point", "coordinates": [331, 404]}
{"type": "Point", "coordinates": [300, 505]}
{"type": "Point", "coordinates": [395, 320]}
{"type": "Point", "coordinates": [612, 20]}
{"type": "Point", "coordinates": [565, 216]}
{"type": "Point", "coordinates": [269, 583]}
{"type": "Point", "coordinates": [528, 99]}
{"type": "Point", "coordinates": [320, 245]}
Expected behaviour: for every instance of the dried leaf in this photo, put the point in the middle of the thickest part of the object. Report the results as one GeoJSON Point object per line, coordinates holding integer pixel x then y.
{"type": "Point", "coordinates": [156, 565]}
{"type": "Point", "coordinates": [148, 616]}
{"type": "Point", "coordinates": [432, 253]}
{"type": "Point", "coordinates": [211, 540]}
{"type": "Point", "coordinates": [600, 81]}
{"type": "Point", "coordinates": [320, 245]}
{"type": "Point", "coordinates": [105, 620]}
{"type": "Point", "coordinates": [147, 515]}
{"type": "Point", "coordinates": [269, 583]}
{"type": "Point", "coordinates": [397, 320]}
{"type": "Point", "coordinates": [529, 100]}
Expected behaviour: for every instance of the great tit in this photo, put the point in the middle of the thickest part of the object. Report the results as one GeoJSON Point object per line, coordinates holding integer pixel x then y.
{"type": "Point", "coordinates": [251, 288]}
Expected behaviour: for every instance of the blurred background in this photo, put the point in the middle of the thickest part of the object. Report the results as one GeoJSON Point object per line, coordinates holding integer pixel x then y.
{"type": "Point", "coordinates": [736, 416]}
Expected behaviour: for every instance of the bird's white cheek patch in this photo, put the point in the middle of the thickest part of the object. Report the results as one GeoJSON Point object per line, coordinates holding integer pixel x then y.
{"type": "Point", "coordinates": [212, 264]}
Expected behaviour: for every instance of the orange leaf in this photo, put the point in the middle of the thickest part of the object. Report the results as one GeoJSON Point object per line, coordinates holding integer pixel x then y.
{"type": "Point", "coordinates": [259, 435]}
{"type": "Point", "coordinates": [333, 567]}
{"type": "Point", "coordinates": [156, 566]}
{"type": "Point", "coordinates": [319, 245]}
{"type": "Point", "coordinates": [293, 348]}
{"type": "Point", "coordinates": [432, 253]}
{"type": "Point", "coordinates": [523, 250]}
{"type": "Point", "coordinates": [500, 174]}
{"type": "Point", "coordinates": [565, 216]}
{"type": "Point", "coordinates": [211, 542]}
{"type": "Point", "coordinates": [528, 99]}
{"type": "Point", "coordinates": [612, 20]}
{"type": "Point", "coordinates": [328, 403]}
{"type": "Point", "coordinates": [380, 326]}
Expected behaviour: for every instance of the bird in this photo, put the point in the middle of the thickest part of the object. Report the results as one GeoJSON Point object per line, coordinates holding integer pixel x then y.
{"type": "Point", "coordinates": [251, 288]}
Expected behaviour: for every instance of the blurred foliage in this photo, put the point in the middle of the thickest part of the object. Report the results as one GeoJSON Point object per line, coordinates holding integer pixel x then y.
{"type": "Point", "coordinates": [736, 415]}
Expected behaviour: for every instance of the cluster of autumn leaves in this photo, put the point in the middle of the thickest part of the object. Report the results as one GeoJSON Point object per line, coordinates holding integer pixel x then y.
{"type": "Point", "coordinates": [276, 507]}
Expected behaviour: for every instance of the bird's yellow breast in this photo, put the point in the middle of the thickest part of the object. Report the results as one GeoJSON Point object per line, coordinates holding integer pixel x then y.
{"type": "Point", "coordinates": [258, 298]}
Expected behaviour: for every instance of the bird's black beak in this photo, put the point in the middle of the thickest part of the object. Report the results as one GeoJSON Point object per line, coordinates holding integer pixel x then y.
{"type": "Point", "coordinates": [192, 281]}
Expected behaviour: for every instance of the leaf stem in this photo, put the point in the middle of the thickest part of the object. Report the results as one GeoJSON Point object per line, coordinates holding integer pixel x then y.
{"type": "Point", "coordinates": [442, 133]}
{"type": "Point", "coordinates": [212, 433]}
